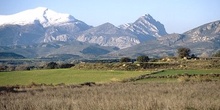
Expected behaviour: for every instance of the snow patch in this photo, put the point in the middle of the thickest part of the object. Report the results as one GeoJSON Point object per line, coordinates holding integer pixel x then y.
{"type": "Point", "coordinates": [44, 15]}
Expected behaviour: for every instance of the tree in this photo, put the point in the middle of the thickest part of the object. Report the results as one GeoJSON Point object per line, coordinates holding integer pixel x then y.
{"type": "Point", "coordinates": [193, 56]}
{"type": "Point", "coordinates": [183, 52]}
{"type": "Point", "coordinates": [125, 59]}
{"type": "Point", "coordinates": [217, 54]}
{"type": "Point", "coordinates": [66, 65]}
{"type": "Point", "coordinates": [52, 65]}
{"type": "Point", "coordinates": [143, 58]}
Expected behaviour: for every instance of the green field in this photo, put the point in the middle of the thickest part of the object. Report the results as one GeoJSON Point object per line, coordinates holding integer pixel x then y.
{"type": "Point", "coordinates": [73, 76]}
{"type": "Point", "coordinates": [182, 72]}
{"type": "Point", "coordinates": [176, 72]}
{"type": "Point", "coordinates": [66, 76]}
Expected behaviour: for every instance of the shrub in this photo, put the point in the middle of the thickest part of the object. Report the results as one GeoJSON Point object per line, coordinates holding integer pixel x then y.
{"type": "Point", "coordinates": [183, 79]}
{"type": "Point", "coordinates": [183, 52]}
{"type": "Point", "coordinates": [125, 59]}
{"type": "Point", "coordinates": [66, 65]}
{"type": "Point", "coordinates": [3, 68]}
{"type": "Point", "coordinates": [52, 65]}
{"type": "Point", "coordinates": [143, 58]}
{"type": "Point", "coordinates": [193, 56]}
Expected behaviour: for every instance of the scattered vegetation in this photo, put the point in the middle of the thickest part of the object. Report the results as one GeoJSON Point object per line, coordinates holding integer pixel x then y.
{"type": "Point", "coordinates": [34, 66]}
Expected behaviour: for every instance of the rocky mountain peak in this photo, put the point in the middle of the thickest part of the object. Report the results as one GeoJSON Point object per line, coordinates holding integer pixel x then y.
{"type": "Point", "coordinates": [146, 25]}
{"type": "Point", "coordinates": [147, 17]}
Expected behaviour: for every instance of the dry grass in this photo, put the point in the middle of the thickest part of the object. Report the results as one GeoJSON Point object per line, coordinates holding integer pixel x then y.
{"type": "Point", "coordinates": [119, 96]}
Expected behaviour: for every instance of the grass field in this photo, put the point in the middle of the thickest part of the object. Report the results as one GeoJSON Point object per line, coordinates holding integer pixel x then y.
{"type": "Point", "coordinates": [196, 76]}
{"type": "Point", "coordinates": [66, 76]}
{"type": "Point", "coordinates": [196, 71]}
{"type": "Point", "coordinates": [73, 76]}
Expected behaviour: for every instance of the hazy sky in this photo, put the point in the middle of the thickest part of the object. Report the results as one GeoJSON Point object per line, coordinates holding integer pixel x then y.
{"type": "Point", "coordinates": [177, 15]}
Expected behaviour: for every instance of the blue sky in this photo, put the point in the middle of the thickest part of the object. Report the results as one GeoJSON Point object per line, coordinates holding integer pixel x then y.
{"type": "Point", "coordinates": [177, 15]}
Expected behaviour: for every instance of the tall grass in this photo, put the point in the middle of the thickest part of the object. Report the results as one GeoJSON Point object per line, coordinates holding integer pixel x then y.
{"type": "Point", "coordinates": [119, 96]}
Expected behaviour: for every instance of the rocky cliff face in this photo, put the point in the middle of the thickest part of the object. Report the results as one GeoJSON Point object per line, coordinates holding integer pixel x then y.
{"type": "Point", "coordinates": [204, 33]}
{"type": "Point", "coordinates": [109, 35]}
{"type": "Point", "coordinates": [209, 32]}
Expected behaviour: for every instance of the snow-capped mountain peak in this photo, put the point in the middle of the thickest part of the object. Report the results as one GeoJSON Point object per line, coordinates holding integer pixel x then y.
{"type": "Point", "coordinates": [38, 25]}
{"type": "Point", "coordinates": [44, 15]}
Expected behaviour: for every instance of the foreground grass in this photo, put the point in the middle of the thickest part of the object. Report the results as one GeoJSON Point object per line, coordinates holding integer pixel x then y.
{"type": "Point", "coordinates": [119, 96]}
{"type": "Point", "coordinates": [66, 76]}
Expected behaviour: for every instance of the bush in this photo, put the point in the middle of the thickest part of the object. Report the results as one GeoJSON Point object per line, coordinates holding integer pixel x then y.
{"type": "Point", "coordinates": [193, 56]}
{"type": "Point", "coordinates": [66, 65]}
{"type": "Point", "coordinates": [125, 59]}
{"type": "Point", "coordinates": [3, 68]}
{"type": "Point", "coordinates": [183, 52]}
{"type": "Point", "coordinates": [52, 65]}
{"type": "Point", "coordinates": [143, 58]}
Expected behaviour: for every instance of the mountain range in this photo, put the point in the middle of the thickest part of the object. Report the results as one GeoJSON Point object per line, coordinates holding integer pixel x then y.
{"type": "Point", "coordinates": [203, 41]}
{"type": "Point", "coordinates": [42, 32]}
